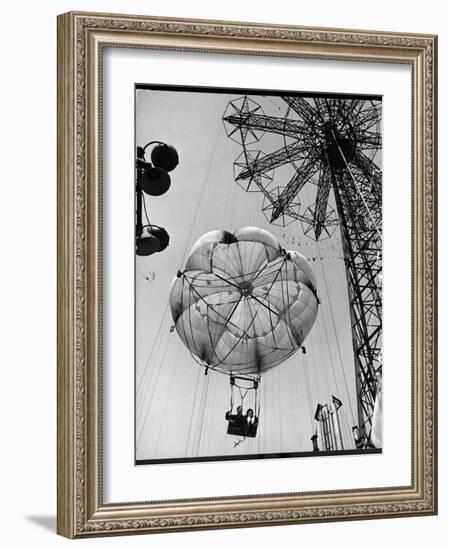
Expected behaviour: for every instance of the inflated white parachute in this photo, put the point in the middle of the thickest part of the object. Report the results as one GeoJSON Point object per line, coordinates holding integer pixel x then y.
{"type": "Point", "coordinates": [243, 304]}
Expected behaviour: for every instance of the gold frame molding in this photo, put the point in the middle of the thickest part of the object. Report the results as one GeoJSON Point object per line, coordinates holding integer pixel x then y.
{"type": "Point", "coordinates": [81, 37]}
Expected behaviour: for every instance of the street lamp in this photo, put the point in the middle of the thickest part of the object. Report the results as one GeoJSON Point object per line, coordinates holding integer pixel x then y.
{"type": "Point", "coordinates": [152, 178]}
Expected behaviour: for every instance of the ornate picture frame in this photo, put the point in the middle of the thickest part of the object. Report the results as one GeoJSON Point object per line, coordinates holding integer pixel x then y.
{"type": "Point", "coordinates": [82, 510]}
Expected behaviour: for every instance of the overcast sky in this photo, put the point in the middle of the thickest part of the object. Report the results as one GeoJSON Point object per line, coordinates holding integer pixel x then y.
{"type": "Point", "coordinates": [179, 410]}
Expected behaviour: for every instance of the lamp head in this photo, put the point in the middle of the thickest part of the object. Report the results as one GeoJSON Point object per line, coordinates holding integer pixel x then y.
{"type": "Point", "coordinates": [154, 180]}
{"type": "Point", "coordinates": [165, 156]}
{"type": "Point", "coordinates": [153, 239]}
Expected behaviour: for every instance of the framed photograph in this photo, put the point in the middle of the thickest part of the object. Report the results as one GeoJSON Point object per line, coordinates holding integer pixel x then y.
{"type": "Point", "coordinates": [246, 274]}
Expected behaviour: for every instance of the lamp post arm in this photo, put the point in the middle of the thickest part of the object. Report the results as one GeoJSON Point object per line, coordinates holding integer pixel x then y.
{"type": "Point", "coordinates": [151, 143]}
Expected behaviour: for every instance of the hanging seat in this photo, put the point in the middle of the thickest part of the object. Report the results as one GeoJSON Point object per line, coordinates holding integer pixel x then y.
{"type": "Point", "coordinates": [242, 429]}
{"type": "Point", "coordinates": [238, 423]}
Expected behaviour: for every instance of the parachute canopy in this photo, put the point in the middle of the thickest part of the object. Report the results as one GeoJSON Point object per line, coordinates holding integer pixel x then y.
{"type": "Point", "coordinates": [243, 304]}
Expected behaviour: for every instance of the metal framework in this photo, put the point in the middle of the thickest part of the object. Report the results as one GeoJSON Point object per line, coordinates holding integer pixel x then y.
{"type": "Point", "coordinates": [333, 143]}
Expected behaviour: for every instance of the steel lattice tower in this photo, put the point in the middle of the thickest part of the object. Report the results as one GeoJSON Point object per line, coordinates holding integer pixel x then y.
{"type": "Point", "coordinates": [335, 144]}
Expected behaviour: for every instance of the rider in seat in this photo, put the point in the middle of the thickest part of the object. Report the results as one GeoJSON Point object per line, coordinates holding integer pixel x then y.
{"type": "Point", "coordinates": [251, 422]}
{"type": "Point", "coordinates": [237, 418]}
{"type": "Point", "coordinates": [243, 425]}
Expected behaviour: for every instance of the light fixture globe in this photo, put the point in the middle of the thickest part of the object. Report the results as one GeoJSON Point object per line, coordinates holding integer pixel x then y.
{"type": "Point", "coordinates": [154, 180]}
{"type": "Point", "coordinates": [162, 235]}
{"type": "Point", "coordinates": [165, 156]}
{"type": "Point", "coordinates": [152, 239]}
{"type": "Point", "coordinates": [147, 244]}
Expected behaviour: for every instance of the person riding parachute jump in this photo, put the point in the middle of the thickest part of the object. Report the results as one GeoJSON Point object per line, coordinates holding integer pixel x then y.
{"type": "Point", "coordinates": [243, 305]}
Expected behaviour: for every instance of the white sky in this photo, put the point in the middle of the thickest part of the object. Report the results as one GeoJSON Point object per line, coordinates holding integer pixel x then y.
{"type": "Point", "coordinates": [179, 410]}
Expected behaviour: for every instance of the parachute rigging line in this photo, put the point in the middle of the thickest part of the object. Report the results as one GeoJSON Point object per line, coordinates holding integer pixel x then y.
{"type": "Point", "coordinates": [279, 401]}
{"type": "Point", "coordinates": [202, 412]}
{"type": "Point", "coordinates": [157, 341]}
{"type": "Point", "coordinates": [325, 328]}
{"type": "Point", "coordinates": [293, 405]}
{"type": "Point", "coordinates": [202, 197]}
{"type": "Point", "coordinates": [329, 301]}
{"type": "Point", "coordinates": [147, 401]}
{"type": "Point", "coordinates": [348, 441]}
{"type": "Point", "coordinates": [164, 409]}
{"type": "Point", "coordinates": [308, 390]}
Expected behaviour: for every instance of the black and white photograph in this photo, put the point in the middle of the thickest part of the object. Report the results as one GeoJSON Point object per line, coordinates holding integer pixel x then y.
{"type": "Point", "coordinates": [237, 222]}
{"type": "Point", "coordinates": [258, 274]}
